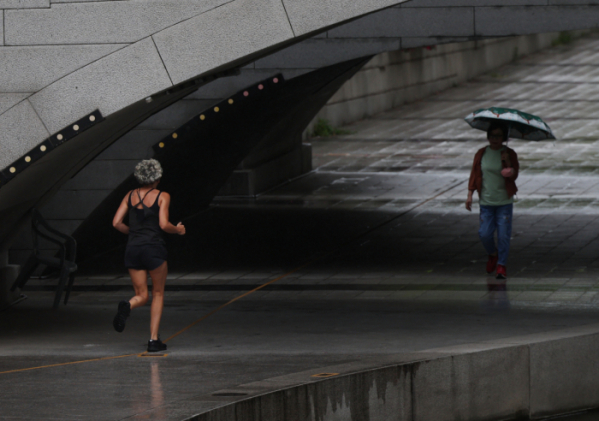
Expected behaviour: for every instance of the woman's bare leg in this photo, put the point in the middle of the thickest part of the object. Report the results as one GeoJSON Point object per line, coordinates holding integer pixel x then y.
{"type": "Point", "coordinates": [158, 276]}
{"type": "Point", "coordinates": [140, 285]}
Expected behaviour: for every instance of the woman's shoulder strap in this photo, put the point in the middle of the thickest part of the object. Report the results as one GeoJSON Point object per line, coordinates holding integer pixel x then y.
{"type": "Point", "coordinates": [129, 199]}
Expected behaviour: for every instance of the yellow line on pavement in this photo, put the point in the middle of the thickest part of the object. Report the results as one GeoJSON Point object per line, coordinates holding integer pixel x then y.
{"type": "Point", "coordinates": [238, 298]}
{"type": "Point", "coordinates": [69, 363]}
{"type": "Point", "coordinates": [315, 259]}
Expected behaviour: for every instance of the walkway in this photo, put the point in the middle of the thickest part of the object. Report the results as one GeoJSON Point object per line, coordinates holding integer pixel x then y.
{"type": "Point", "coordinates": [372, 254]}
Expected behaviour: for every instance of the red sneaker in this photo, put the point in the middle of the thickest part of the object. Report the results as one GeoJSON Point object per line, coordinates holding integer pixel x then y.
{"type": "Point", "coordinates": [491, 264]}
{"type": "Point", "coordinates": [501, 273]}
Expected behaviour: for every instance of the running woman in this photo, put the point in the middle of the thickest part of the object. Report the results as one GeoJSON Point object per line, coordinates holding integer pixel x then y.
{"type": "Point", "coordinates": [146, 252]}
{"type": "Point", "coordinates": [493, 176]}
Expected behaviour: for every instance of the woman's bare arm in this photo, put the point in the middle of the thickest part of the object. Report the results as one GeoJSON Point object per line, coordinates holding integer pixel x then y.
{"type": "Point", "coordinates": [119, 216]}
{"type": "Point", "coordinates": [164, 202]}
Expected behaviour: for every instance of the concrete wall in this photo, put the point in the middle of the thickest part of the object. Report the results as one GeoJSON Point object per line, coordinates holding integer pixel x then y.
{"type": "Point", "coordinates": [397, 77]}
{"type": "Point", "coordinates": [525, 377]}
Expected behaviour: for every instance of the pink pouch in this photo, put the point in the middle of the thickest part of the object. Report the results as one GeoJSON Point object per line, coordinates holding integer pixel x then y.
{"type": "Point", "coordinates": [507, 172]}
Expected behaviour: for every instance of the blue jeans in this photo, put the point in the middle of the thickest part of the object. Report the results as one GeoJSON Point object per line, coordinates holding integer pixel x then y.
{"type": "Point", "coordinates": [496, 218]}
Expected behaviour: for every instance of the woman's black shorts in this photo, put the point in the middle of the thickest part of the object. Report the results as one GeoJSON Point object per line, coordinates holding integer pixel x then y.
{"type": "Point", "coordinates": [145, 257]}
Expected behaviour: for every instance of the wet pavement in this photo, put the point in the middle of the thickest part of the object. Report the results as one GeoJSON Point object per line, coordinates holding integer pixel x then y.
{"type": "Point", "coordinates": [371, 254]}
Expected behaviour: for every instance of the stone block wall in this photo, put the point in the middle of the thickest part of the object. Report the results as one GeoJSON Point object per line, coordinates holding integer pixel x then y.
{"type": "Point", "coordinates": [398, 77]}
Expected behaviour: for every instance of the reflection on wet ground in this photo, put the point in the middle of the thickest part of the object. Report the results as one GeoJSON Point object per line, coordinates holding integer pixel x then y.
{"type": "Point", "coordinates": [372, 254]}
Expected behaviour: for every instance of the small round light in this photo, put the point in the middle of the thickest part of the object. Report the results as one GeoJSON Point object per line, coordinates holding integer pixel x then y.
{"type": "Point", "coordinates": [59, 137]}
{"type": "Point", "coordinates": [175, 135]}
{"type": "Point", "coordinates": [260, 86]}
{"type": "Point", "coordinates": [276, 80]}
{"type": "Point", "coordinates": [43, 148]}
{"type": "Point", "coordinates": [202, 117]}
{"type": "Point", "coordinates": [149, 99]}
{"type": "Point", "coordinates": [231, 101]}
{"type": "Point", "coordinates": [216, 109]}
{"type": "Point", "coordinates": [161, 145]}
{"type": "Point", "coordinates": [27, 159]}
{"type": "Point", "coordinates": [13, 170]}
{"type": "Point", "coordinates": [75, 127]}
{"type": "Point", "coordinates": [246, 93]}
{"type": "Point", "coordinates": [92, 118]}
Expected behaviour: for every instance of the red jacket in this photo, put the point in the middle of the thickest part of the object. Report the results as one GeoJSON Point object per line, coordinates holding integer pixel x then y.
{"type": "Point", "coordinates": [476, 176]}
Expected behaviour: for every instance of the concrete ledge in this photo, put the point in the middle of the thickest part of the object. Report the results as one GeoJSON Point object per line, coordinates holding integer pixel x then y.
{"type": "Point", "coordinates": [522, 377]}
{"type": "Point", "coordinates": [251, 181]}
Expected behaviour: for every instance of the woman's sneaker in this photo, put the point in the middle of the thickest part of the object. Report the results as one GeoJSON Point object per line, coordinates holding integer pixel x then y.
{"type": "Point", "coordinates": [121, 316]}
{"type": "Point", "coordinates": [501, 272]}
{"type": "Point", "coordinates": [492, 263]}
{"type": "Point", "coordinates": [156, 345]}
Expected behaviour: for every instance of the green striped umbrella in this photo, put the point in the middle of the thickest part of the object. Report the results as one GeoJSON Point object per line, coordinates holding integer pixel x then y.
{"type": "Point", "coordinates": [521, 125]}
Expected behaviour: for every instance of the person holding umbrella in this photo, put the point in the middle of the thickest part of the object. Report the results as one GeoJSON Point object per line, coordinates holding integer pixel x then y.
{"type": "Point", "coordinates": [494, 173]}
{"type": "Point", "coordinates": [493, 176]}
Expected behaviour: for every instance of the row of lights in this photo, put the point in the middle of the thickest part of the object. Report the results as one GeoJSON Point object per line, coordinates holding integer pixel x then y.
{"type": "Point", "coordinates": [217, 109]}
{"type": "Point", "coordinates": [43, 148]}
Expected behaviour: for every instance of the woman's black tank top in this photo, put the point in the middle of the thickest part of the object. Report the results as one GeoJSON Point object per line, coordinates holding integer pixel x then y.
{"type": "Point", "coordinates": [144, 223]}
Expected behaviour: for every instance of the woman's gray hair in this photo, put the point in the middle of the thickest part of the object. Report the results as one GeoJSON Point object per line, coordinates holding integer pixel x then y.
{"type": "Point", "coordinates": [148, 171]}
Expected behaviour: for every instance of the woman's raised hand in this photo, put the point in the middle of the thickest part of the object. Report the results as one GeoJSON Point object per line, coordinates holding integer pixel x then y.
{"type": "Point", "coordinates": [180, 228]}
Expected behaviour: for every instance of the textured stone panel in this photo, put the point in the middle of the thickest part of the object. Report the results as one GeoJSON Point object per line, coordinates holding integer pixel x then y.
{"type": "Point", "coordinates": [9, 100]}
{"type": "Point", "coordinates": [415, 22]}
{"type": "Point", "coordinates": [572, 2]}
{"type": "Point", "coordinates": [29, 69]}
{"type": "Point", "coordinates": [87, 201]}
{"type": "Point", "coordinates": [462, 3]}
{"type": "Point", "coordinates": [316, 53]}
{"type": "Point", "coordinates": [1, 27]}
{"type": "Point", "coordinates": [21, 131]}
{"type": "Point", "coordinates": [80, 1]}
{"type": "Point", "coordinates": [498, 21]}
{"type": "Point", "coordinates": [100, 175]}
{"type": "Point", "coordinates": [109, 85]}
{"type": "Point", "coordinates": [221, 36]}
{"type": "Point", "coordinates": [24, 4]}
{"type": "Point", "coordinates": [482, 385]}
{"type": "Point", "coordinates": [99, 22]}
{"type": "Point", "coordinates": [310, 15]}
{"type": "Point", "coordinates": [563, 375]}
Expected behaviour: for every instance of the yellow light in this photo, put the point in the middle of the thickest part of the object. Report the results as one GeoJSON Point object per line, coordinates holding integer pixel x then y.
{"type": "Point", "coordinates": [230, 101]}
{"type": "Point", "coordinates": [43, 148]}
{"type": "Point", "coordinates": [161, 145]}
{"type": "Point", "coordinates": [59, 137]}
{"type": "Point", "coordinates": [216, 109]}
{"type": "Point", "coordinates": [75, 127]}
{"type": "Point", "coordinates": [13, 170]}
{"type": "Point", "coordinates": [202, 117]}
{"type": "Point", "coordinates": [27, 159]}
{"type": "Point", "coordinates": [92, 118]}
{"type": "Point", "coordinates": [175, 135]}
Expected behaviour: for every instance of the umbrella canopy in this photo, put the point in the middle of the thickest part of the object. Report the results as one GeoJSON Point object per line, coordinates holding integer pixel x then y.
{"type": "Point", "coordinates": [521, 125]}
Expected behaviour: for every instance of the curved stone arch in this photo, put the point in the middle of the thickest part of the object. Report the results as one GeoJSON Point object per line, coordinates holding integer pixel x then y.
{"type": "Point", "coordinates": [171, 62]}
{"type": "Point", "coordinates": [228, 35]}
